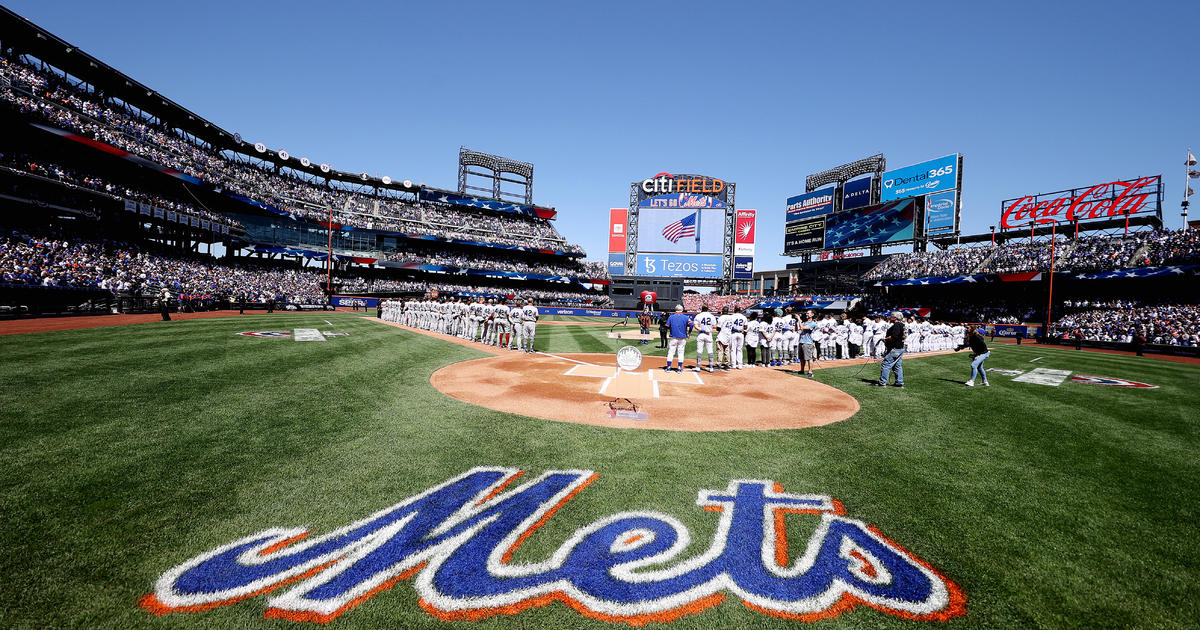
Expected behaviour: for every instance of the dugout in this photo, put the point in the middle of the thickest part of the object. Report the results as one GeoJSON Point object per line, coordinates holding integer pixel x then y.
{"type": "Point", "coordinates": [625, 291]}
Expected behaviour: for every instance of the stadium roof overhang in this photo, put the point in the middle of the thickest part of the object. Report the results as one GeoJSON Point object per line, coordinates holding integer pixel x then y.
{"type": "Point", "coordinates": [25, 37]}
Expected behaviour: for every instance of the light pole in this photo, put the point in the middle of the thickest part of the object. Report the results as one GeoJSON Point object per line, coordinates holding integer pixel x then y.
{"type": "Point", "coordinates": [1187, 190]}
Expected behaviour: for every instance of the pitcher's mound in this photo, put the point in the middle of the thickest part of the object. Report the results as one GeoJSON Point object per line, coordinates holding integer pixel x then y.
{"type": "Point", "coordinates": [589, 389]}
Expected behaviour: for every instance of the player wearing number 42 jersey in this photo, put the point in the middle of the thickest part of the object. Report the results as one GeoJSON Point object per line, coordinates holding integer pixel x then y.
{"type": "Point", "coordinates": [704, 323]}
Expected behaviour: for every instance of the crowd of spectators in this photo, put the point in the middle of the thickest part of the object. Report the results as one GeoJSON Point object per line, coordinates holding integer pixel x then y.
{"type": "Point", "coordinates": [491, 262]}
{"type": "Point", "coordinates": [693, 301]}
{"type": "Point", "coordinates": [55, 261]}
{"type": "Point", "coordinates": [72, 107]}
{"type": "Point", "coordinates": [1166, 324]}
{"type": "Point", "coordinates": [371, 286]}
{"type": "Point", "coordinates": [1167, 247]}
{"type": "Point", "coordinates": [951, 262]}
{"type": "Point", "coordinates": [27, 165]}
{"type": "Point", "coordinates": [959, 310]}
{"type": "Point", "coordinates": [1084, 254]}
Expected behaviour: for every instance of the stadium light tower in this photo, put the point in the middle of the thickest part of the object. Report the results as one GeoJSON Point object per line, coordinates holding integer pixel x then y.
{"type": "Point", "coordinates": [329, 257]}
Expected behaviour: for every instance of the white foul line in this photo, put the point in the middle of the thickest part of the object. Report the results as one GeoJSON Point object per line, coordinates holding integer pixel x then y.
{"type": "Point", "coordinates": [566, 358]}
{"type": "Point", "coordinates": [328, 322]}
{"type": "Point", "coordinates": [1037, 359]}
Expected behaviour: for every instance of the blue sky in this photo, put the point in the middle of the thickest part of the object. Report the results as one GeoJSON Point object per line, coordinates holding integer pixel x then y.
{"type": "Point", "coordinates": [1037, 96]}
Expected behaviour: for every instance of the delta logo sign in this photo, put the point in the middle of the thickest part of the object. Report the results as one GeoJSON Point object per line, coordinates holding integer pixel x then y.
{"type": "Point", "coordinates": [1102, 201]}
{"type": "Point", "coordinates": [456, 541]}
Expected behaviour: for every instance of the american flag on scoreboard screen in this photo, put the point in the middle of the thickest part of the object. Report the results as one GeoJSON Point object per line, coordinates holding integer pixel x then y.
{"type": "Point", "coordinates": [681, 228]}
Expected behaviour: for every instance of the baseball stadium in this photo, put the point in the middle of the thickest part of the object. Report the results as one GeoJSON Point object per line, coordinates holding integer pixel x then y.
{"type": "Point", "coordinates": [244, 388]}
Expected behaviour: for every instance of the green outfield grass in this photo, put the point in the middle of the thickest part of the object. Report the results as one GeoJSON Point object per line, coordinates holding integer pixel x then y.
{"type": "Point", "coordinates": [127, 450]}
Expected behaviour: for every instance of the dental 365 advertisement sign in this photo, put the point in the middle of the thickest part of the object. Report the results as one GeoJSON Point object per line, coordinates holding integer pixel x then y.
{"type": "Point", "coordinates": [920, 179]}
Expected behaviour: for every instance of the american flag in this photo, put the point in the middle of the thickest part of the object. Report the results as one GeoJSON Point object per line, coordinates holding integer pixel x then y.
{"type": "Point", "coordinates": [681, 228]}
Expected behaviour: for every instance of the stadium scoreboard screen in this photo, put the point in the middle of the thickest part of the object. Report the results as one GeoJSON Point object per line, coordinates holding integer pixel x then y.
{"type": "Point", "coordinates": [890, 207]}
{"type": "Point", "coordinates": [683, 226]}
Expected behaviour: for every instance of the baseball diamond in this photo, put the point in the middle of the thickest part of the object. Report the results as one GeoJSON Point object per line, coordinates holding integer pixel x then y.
{"type": "Point", "coordinates": [809, 335]}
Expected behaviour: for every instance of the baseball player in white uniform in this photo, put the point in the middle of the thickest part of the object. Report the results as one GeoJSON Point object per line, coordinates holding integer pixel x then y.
{"type": "Point", "coordinates": [766, 337]}
{"type": "Point", "coordinates": [723, 339]}
{"type": "Point", "coordinates": [842, 334]}
{"type": "Point", "coordinates": [752, 328]}
{"type": "Point", "coordinates": [791, 338]}
{"type": "Point", "coordinates": [704, 322]}
{"type": "Point", "coordinates": [737, 337]}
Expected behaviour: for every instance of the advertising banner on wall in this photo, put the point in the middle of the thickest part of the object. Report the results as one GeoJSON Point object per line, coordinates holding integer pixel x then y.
{"type": "Point", "coordinates": [743, 235]}
{"type": "Point", "coordinates": [1115, 199]}
{"type": "Point", "coordinates": [920, 179]}
{"type": "Point", "coordinates": [616, 264]}
{"type": "Point", "coordinates": [743, 267]}
{"type": "Point", "coordinates": [881, 223]}
{"type": "Point", "coordinates": [856, 194]}
{"type": "Point", "coordinates": [618, 221]}
{"type": "Point", "coordinates": [809, 205]}
{"type": "Point", "coordinates": [804, 236]}
{"type": "Point", "coordinates": [940, 212]}
{"type": "Point", "coordinates": [679, 265]}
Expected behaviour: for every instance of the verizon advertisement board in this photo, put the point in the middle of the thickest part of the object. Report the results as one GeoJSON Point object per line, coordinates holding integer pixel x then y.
{"type": "Point", "coordinates": [743, 237]}
{"type": "Point", "coordinates": [1115, 199]}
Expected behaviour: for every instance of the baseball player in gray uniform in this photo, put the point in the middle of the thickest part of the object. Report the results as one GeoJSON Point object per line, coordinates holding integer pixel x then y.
{"type": "Point", "coordinates": [529, 318]}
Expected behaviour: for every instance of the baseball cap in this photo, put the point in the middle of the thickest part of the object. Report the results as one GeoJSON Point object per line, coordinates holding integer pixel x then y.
{"type": "Point", "coordinates": [897, 315]}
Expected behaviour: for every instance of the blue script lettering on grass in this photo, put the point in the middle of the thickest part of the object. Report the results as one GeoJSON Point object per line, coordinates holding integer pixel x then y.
{"type": "Point", "coordinates": [458, 540]}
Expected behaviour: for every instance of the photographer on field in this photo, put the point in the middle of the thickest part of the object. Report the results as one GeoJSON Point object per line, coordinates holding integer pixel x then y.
{"type": "Point", "coordinates": [893, 342]}
{"type": "Point", "coordinates": [979, 354]}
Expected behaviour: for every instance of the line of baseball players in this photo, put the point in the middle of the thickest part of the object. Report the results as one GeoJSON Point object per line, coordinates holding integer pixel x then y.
{"type": "Point", "coordinates": [485, 321]}
{"type": "Point", "coordinates": [772, 339]}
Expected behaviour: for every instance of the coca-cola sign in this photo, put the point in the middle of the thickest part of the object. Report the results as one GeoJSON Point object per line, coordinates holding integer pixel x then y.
{"type": "Point", "coordinates": [1114, 199]}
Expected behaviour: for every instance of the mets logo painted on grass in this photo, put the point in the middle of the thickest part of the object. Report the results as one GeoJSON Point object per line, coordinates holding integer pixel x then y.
{"type": "Point", "coordinates": [457, 541]}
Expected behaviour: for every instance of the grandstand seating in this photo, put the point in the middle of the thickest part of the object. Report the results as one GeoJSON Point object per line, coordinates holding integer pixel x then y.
{"type": "Point", "coordinates": [465, 237]}
{"type": "Point", "coordinates": [1086, 253]}
{"type": "Point", "coordinates": [53, 100]}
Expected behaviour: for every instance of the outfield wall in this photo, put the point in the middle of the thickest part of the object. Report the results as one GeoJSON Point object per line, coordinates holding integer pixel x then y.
{"type": "Point", "coordinates": [585, 312]}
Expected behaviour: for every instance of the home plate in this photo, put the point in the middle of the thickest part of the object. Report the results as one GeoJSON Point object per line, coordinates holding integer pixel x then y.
{"type": "Point", "coordinates": [307, 334]}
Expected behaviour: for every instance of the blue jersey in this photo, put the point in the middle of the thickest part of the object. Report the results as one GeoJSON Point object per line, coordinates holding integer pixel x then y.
{"type": "Point", "coordinates": [679, 325]}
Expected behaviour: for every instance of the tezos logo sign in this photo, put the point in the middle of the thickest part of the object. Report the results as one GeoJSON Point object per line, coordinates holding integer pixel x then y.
{"type": "Point", "coordinates": [665, 183]}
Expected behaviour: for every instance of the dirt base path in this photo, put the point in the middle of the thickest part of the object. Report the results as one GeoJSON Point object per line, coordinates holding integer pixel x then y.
{"type": "Point", "coordinates": [71, 322]}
